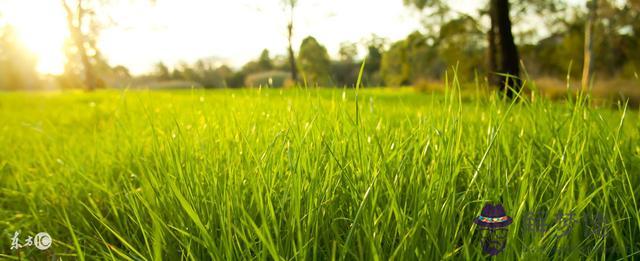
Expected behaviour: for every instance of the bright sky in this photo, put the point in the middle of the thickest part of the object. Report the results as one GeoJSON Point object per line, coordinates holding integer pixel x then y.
{"type": "Point", "coordinates": [232, 31]}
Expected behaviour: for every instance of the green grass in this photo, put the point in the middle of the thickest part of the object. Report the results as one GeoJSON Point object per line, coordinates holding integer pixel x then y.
{"type": "Point", "coordinates": [300, 174]}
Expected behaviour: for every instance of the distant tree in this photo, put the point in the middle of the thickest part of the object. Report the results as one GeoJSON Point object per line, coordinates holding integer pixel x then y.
{"type": "Point", "coordinates": [375, 41]}
{"type": "Point", "coordinates": [236, 80]}
{"type": "Point", "coordinates": [85, 21]}
{"type": "Point", "coordinates": [344, 72]}
{"type": "Point", "coordinates": [262, 67]}
{"type": "Point", "coordinates": [631, 19]}
{"type": "Point", "coordinates": [123, 72]}
{"type": "Point", "coordinates": [394, 67]}
{"type": "Point", "coordinates": [203, 72]}
{"type": "Point", "coordinates": [225, 73]}
{"type": "Point", "coordinates": [281, 62]}
{"type": "Point", "coordinates": [615, 55]}
{"type": "Point", "coordinates": [374, 58]}
{"type": "Point", "coordinates": [206, 74]}
{"type": "Point", "coordinates": [348, 51]}
{"type": "Point", "coordinates": [503, 54]}
{"type": "Point", "coordinates": [314, 61]}
{"type": "Point", "coordinates": [372, 68]}
{"type": "Point", "coordinates": [411, 60]}
{"type": "Point", "coordinates": [77, 18]}
{"type": "Point", "coordinates": [460, 43]}
{"type": "Point", "coordinates": [186, 72]}
{"type": "Point", "coordinates": [264, 62]}
{"type": "Point", "coordinates": [290, 5]}
{"type": "Point", "coordinates": [176, 74]}
{"type": "Point", "coordinates": [161, 72]}
{"type": "Point", "coordinates": [251, 67]}
{"type": "Point", "coordinates": [117, 76]}
{"type": "Point", "coordinates": [375, 46]}
{"type": "Point", "coordinates": [422, 58]}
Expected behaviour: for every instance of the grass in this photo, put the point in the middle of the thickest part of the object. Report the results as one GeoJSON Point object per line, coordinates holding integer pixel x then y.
{"type": "Point", "coordinates": [302, 174]}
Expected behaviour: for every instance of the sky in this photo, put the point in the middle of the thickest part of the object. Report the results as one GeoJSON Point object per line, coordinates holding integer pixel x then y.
{"type": "Point", "coordinates": [232, 32]}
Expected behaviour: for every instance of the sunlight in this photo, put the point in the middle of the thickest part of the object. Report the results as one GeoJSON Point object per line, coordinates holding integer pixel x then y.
{"type": "Point", "coordinates": [42, 29]}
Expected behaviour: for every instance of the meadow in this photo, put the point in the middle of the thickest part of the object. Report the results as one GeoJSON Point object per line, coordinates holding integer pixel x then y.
{"type": "Point", "coordinates": [317, 174]}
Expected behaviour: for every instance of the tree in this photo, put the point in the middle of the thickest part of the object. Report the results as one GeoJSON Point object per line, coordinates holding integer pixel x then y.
{"type": "Point", "coordinates": [291, 5]}
{"type": "Point", "coordinates": [344, 72]}
{"type": "Point", "coordinates": [264, 62]}
{"type": "Point", "coordinates": [281, 62]}
{"type": "Point", "coordinates": [375, 48]}
{"type": "Point", "coordinates": [504, 61]}
{"type": "Point", "coordinates": [76, 18]}
{"type": "Point", "coordinates": [411, 60]}
{"type": "Point", "coordinates": [187, 72]}
{"type": "Point", "coordinates": [503, 55]}
{"type": "Point", "coordinates": [123, 72]}
{"type": "Point", "coordinates": [84, 59]}
{"type": "Point", "coordinates": [372, 68]}
{"type": "Point", "coordinates": [203, 72]}
{"type": "Point", "coordinates": [421, 57]}
{"type": "Point", "coordinates": [587, 67]}
{"type": "Point", "coordinates": [225, 73]}
{"type": "Point", "coordinates": [374, 58]}
{"type": "Point", "coordinates": [460, 44]}
{"type": "Point", "coordinates": [394, 67]}
{"type": "Point", "coordinates": [631, 67]}
{"type": "Point", "coordinates": [348, 51]}
{"type": "Point", "coordinates": [314, 61]}
{"type": "Point", "coordinates": [161, 71]}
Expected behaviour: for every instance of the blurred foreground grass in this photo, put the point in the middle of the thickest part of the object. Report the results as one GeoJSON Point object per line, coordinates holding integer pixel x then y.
{"type": "Point", "coordinates": [300, 174]}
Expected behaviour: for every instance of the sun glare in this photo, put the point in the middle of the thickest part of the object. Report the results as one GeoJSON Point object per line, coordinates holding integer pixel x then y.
{"type": "Point", "coordinates": [41, 28]}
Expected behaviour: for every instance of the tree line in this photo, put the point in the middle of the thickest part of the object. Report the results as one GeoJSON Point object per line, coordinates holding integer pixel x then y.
{"type": "Point", "coordinates": [314, 67]}
{"type": "Point", "coordinates": [493, 45]}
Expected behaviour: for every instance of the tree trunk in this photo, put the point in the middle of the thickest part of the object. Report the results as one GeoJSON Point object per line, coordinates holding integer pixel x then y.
{"type": "Point", "coordinates": [78, 40]}
{"type": "Point", "coordinates": [587, 66]}
{"type": "Point", "coordinates": [508, 67]}
{"type": "Point", "coordinates": [89, 77]}
{"type": "Point", "coordinates": [292, 58]}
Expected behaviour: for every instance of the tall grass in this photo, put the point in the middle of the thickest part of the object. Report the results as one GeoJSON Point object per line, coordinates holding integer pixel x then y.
{"type": "Point", "coordinates": [306, 174]}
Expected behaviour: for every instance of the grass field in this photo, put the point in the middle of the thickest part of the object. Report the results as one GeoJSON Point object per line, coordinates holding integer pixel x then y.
{"type": "Point", "coordinates": [311, 174]}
